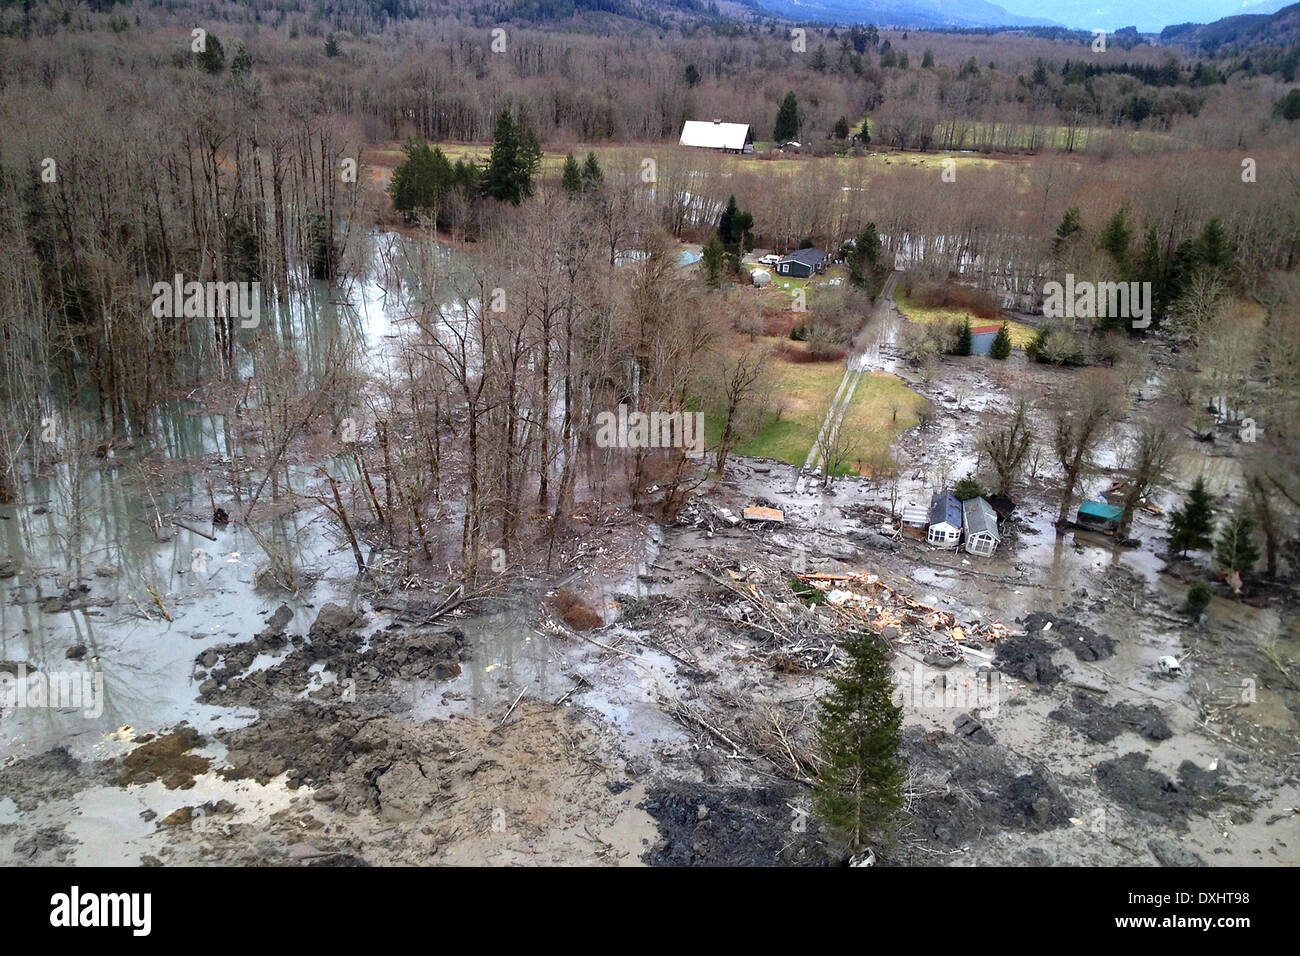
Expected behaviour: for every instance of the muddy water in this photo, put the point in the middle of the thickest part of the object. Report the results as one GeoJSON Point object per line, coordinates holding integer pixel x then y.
{"type": "Point", "coordinates": [507, 655]}
{"type": "Point", "coordinates": [92, 571]}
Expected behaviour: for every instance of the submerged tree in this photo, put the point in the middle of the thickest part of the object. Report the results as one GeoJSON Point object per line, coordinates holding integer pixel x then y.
{"type": "Point", "coordinates": [859, 789]}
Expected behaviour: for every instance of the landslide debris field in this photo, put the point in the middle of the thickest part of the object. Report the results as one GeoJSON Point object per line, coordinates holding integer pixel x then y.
{"type": "Point", "coordinates": [1039, 728]}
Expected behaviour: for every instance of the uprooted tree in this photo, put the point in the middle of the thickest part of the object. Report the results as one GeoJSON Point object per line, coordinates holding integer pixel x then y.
{"type": "Point", "coordinates": [859, 788]}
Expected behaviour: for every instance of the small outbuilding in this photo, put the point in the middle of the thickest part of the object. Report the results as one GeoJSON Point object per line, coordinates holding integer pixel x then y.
{"type": "Point", "coordinates": [981, 526]}
{"type": "Point", "coordinates": [1099, 516]}
{"type": "Point", "coordinates": [802, 263]}
{"type": "Point", "coordinates": [915, 520]}
{"type": "Point", "coordinates": [945, 520]}
{"type": "Point", "coordinates": [981, 338]}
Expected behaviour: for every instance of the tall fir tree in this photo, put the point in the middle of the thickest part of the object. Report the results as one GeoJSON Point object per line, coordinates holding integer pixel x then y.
{"type": "Point", "coordinates": [571, 177]}
{"type": "Point", "coordinates": [711, 260]}
{"type": "Point", "coordinates": [1001, 347]}
{"type": "Point", "coordinates": [787, 119]}
{"type": "Point", "coordinates": [1192, 525]}
{"type": "Point", "coordinates": [1070, 224]}
{"type": "Point", "coordinates": [964, 339]}
{"type": "Point", "coordinates": [516, 154]}
{"type": "Point", "coordinates": [864, 261]}
{"type": "Point", "coordinates": [1117, 239]}
{"type": "Point", "coordinates": [859, 788]}
{"type": "Point", "coordinates": [1236, 549]}
{"type": "Point", "coordinates": [592, 175]}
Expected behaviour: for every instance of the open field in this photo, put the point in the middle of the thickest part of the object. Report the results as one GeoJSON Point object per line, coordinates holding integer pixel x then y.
{"type": "Point", "coordinates": [1021, 334]}
{"type": "Point", "coordinates": [803, 389]}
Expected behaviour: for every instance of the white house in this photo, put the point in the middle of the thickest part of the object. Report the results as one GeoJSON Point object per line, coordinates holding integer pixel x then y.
{"type": "Point", "coordinates": [728, 137]}
{"type": "Point", "coordinates": [981, 521]}
{"type": "Point", "coordinates": [945, 520]}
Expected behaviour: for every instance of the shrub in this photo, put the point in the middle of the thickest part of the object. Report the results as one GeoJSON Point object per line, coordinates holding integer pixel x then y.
{"type": "Point", "coordinates": [1198, 599]}
{"type": "Point", "coordinates": [1001, 347]}
{"type": "Point", "coordinates": [966, 489]}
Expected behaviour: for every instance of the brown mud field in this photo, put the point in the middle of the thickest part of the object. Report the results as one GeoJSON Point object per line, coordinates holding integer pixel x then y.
{"type": "Point", "coordinates": [660, 709]}
{"type": "Point", "coordinates": [679, 733]}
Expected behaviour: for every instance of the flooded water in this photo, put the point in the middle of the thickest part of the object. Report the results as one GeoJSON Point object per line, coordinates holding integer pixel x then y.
{"type": "Point", "coordinates": [110, 598]}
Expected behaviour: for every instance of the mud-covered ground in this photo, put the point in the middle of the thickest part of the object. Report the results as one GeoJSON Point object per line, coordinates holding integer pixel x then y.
{"type": "Point", "coordinates": [359, 730]}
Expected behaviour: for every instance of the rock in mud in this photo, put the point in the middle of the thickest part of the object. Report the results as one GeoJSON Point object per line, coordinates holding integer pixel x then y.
{"type": "Point", "coordinates": [1170, 853]}
{"type": "Point", "coordinates": [1129, 781]}
{"type": "Point", "coordinates": [965, 790]}
{"type": "Point", "coordinates": [732, 826]}
{"type": "Point", "coordinates": [333, 621]}
{"type": "Point", "coordinates": [45, 846]}
{"type": "Point", "coordinates": [278, 621]}
{"type": "Point", "coordinates": [1029, 657]}
{"type": "Point", "coordinates": [971, 729]}
{"type": "Point", "coordinates": [1083, 641]}
{"type": "Point", "coordinates": [1103, 724]}
{"type": "Point", "coordinates": [165, 758]}
{"type": "Point", "coordinates": [53, 775]}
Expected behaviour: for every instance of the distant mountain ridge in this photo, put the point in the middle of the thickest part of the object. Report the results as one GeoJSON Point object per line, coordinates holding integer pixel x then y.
{"type": "Point", "coordinates": [1239, 32]}
{"type": "Point", "coordinates": [915, 14]}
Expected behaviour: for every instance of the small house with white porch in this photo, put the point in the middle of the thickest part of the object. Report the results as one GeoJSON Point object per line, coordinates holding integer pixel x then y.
{"type": "Point", "coordinates": [945, 520]}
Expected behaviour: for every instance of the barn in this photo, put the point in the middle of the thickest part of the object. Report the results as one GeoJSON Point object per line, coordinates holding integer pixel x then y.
{"type": "Point", "coordinates": [981, 524]}
{"type": "Point", "coordinates": [945, 520]}
{"type": "Point", "coordinates": [802, 263]}
{"type": "Point", "coordinates": [727, 137]}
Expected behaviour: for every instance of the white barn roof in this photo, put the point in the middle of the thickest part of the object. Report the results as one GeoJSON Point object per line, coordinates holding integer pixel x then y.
{"type": "Point", "coordinates": [715, 135]}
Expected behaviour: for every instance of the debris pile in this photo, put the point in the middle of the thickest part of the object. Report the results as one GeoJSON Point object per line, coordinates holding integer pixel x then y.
{"type": "Point", "coordinates": [864, 599]}
{"type": "Point", "coordinates": [799, 635]}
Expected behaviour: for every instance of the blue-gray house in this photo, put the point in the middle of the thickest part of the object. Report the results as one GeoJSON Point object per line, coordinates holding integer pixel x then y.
{"type": "Point", "coordinates": [945, 520]}
{"type": "Point", "coordinates": [802, 263]}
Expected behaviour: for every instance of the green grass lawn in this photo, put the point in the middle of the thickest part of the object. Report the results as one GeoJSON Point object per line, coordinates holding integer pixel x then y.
{"type": "Point", "coordinates": [1021, 334]}
{"type": "Point", "coordinates": [802, 392]}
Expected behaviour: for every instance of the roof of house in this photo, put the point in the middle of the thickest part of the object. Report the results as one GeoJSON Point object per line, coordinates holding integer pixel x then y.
{"type": "Point", "coordinates": [985, 329]}
{"type": "Point", "coordinates": [945, 509]}
{"type": "Point", "coordinates": [980, 518]}
{"type": "Point", "coordinates": [808, 257]}
{"type": "Point", "coordinates": [714, 135]}
{"type": "Point", "coordinates": [1099, 509]}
